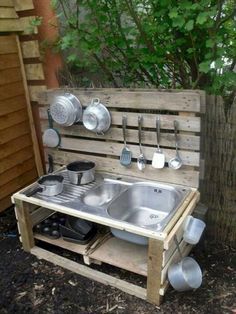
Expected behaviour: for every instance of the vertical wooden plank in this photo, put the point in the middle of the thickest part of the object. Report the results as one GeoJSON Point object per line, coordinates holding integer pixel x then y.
{"type": "Point", "coordinates": [24, 224]}
{"type": "Point", "coordinates": [38, 160]}
{"type": "Point", "coordinates": [155, 257]}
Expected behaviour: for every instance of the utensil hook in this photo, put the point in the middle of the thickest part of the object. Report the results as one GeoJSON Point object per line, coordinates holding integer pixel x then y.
{"type": "Point", "coordinates": [140, 120]}
{"type": "Point", "coordinates": [124, 124]}
{"type": "Point", "coordinates": [95, 101]}
{"type": "Point", "coordinates": [158, 122]}
{"type": "Point", "coordinates": [50, 121]}
{"type": "Point", "coordinates": [176, 135]}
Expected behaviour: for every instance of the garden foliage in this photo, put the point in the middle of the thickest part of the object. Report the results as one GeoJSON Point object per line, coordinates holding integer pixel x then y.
{"type": "Point", "coordinates": [157, 43]}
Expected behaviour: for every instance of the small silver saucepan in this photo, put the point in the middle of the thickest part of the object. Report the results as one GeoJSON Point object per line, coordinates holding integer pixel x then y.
{"type": "Point", "coordinates": [81, 172]}
{"type": "Point", "coordinates": [48, 185]}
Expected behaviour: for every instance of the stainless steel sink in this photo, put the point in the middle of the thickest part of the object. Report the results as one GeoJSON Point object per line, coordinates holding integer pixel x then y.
{"type": "Point", "coordinates": [147, 205]}
{"type": "Point", "coordinates": [103, 194]}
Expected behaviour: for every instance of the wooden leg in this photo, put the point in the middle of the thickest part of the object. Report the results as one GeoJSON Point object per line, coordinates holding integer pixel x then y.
{"type": "Point", "coordinates": [24, 224]}
{"type": "Point", "coordinates": [155, 256]}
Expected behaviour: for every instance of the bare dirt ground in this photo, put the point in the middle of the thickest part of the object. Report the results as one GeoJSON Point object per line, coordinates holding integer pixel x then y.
{"type": "Point", "coordinates": [29, 285]}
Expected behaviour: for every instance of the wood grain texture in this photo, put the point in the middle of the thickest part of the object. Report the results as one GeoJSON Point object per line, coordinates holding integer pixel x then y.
{"type": "Point", "coordinates": [122, 254]}
{"type": "Point", "coordinates": [35, 143]}
{"type": "Point", "coordinates": [11, 25]}
{"type": "Point", "coordinates": [11, 133]}
{"type": "Point", "coordinates": [114, 149]}
{"type": "Point", "coordinates": [23, 5]}
{"type": "Point", "coordinates": [19, 170]}
{"type": "Point", "coordinates": [15, 145]}
{"type": "Point", "coordinates": [7, 45]}
{"type": "Point", "coordinates": [34, 71]}
{"type": "Point", "coordinates": [34, 91]}
{"type": "Point", "coordinates": [169, 105]}
{"type": "Point", "coordinates": [115, 134]}
{"type": "Point", "coordinates": [6, 3]}
{"type": "Point", "coordinates": [24, 224]}
{"type": "Point", "coordinates": [183, 176]}
{"type": "Point", "coordinates": [11, 90]}
{"type": "Point", "coordinates": [12, 104]}
{"type": "Point", "coordinates": [9, 61]}
{"type": "Point", "coordinates": [90, 273]}
{"type": "Point", "coordinates": [155, 249]}
{"type": "Point", "coordinates": [10, 76]}
{"type": "Point", "coordinates": [188, 124]}
{"type": "Point", "coordinates": [16, 159]}
{"type": "Point", "coordinates": [30, 49]}
{"type": "Point", "coordinates": [73, 247]}
{"type": "Point", "coordinates": [17, 183]}
{"type": "Point", "coordinates": [12, 119]}
{"type": "Point", "coordinates": [26, 24]}
{"type": "Point", "coordinates": [8, 13]}
{"type": "Point", "coordinates": [155, 100]}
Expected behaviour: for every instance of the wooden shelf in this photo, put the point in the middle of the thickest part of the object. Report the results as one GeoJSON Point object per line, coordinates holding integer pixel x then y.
{"type": "Point", "coordinates": [122, 254]}
{"type": "Point", "coordinates": [115, 252]}
{"type": "Point", "coordinates": [74, 247]}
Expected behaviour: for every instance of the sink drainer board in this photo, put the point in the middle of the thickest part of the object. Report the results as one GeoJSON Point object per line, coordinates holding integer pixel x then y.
{"type": "Point", "coordinates": [78, 143]}
{"type": "Point", "coordinates": [70, 192]}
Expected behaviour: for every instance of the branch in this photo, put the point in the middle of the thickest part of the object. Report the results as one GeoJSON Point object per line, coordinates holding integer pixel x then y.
{"type": "Point", "coordinates": [195, 84]}
{"type": "Point", "coordinates": [105, 69]}
{"type": "Point", "coordinates": [226, 19]}
{"type": "Point", "coordinates": [135, 17]}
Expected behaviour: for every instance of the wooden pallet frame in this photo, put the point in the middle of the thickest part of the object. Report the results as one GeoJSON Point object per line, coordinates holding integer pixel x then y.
{"type": "Point", "coordinates": [77, 143]}
{"type": "Point", "coordinates": [161, 250]}
{"type": "Point", "coordinates": [182, 105]}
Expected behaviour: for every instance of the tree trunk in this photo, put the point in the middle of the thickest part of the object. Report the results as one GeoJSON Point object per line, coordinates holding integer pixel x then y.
{"type": "Point", "coordinates": [218, 190]}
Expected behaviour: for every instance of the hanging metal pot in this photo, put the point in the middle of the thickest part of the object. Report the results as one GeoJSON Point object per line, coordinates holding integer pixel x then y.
{"type": "Point", "coordinates": [51, 137]}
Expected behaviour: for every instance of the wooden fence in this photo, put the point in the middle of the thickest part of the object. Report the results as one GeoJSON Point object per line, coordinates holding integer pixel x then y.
{"type": "Point", "coordinates": [21, 78]}
{"type": "Point", "coordinates": [218, 190]}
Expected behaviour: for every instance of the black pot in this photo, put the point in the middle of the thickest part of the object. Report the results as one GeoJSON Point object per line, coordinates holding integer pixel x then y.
{"type": "Point", "coordinates": [81, 172]}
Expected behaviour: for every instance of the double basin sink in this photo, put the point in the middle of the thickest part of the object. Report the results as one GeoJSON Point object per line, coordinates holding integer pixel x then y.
{"type": "Point", "coordinates": [144, 204]}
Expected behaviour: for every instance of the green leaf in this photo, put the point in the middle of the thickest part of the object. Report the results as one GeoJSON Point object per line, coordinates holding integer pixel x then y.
{"type": "Point", "coordinates": [53, 4]}
{"type": "Point", "coordinates": [189, 25]}
{"type": "Point", "coordinates": [178, 22]}
{"type": "Point", "coordinates": [195, 6]}
{"type": "Point", "coordinates": [205, 66]}
{"type": "Point", "coordinates": [190, 50]}
{"type": "Point", "coordinates": [202, 18]}
{"type": "Point", "coordinates": [209, 55]}
{"type": "Point", "coordinates": [210, 43]}
{"type": "Point", "coordinates": [185, 5]}
{"type": "Point", "coordinates": [72, 58]}
{"type": "Point", "coordinates": [173, 13]}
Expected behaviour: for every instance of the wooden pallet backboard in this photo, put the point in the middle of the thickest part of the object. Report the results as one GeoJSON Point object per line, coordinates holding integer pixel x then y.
{"type": "Point", "coordinates": [184, 106]}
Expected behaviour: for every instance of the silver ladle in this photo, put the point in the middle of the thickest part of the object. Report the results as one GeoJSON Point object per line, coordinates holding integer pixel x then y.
{"type": "Point", "coordinates": [141, 161]}
{"type": "Point", "coordinates": [176, 162]}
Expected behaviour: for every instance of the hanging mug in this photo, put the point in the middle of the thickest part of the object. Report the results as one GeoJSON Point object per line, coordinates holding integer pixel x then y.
{"type": "Point", "coordinates": [193, 230]}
